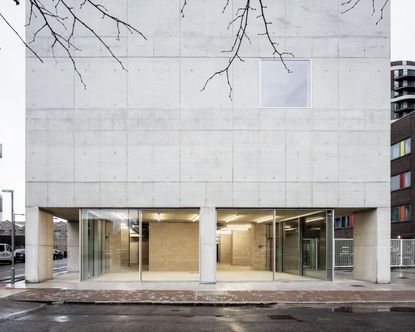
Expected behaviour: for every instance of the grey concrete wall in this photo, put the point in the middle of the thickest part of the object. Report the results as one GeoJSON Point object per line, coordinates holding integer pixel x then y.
{"type": "Point", "coordinates": [148, 137]}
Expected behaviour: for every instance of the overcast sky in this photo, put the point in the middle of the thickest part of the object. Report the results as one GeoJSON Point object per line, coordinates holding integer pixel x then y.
{"type": "Point", "coordinates": [12, 87]}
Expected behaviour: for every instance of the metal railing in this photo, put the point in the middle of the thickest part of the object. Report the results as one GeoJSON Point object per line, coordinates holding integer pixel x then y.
{"type": "Point", "coordinates": [343, 253]}
{"type": "Point", "coordinates": [402, 253]}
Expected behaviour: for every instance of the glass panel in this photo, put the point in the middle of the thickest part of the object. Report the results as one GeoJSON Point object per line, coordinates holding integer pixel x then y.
{"type": "Point", "coordinates": [407, 213]}
{"type": "Point", "coordinates": [314, 246]}
{"type": "Point", "coordinates": [395, 151]}
{"type": "Point", "coordinates": [395, 214]}
{"type": "Point", "coordinates": [282, 89]}
{"type": "Point", "coordinates": [291, 250]}
{"type": "Point", "coordinates": [395, 182]}
{"type": "Point", "coordinates": [407, 179]}
{"type": "Point", "coordinates": [110, 244]}
{"type": "Point", "coordinates": [407, 146]}
{"type": "Point", "coordinates": [244, 240]}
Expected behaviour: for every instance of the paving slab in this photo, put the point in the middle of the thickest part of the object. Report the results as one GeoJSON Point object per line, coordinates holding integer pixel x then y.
{"type": "Point", "coordinates": [212, 298]}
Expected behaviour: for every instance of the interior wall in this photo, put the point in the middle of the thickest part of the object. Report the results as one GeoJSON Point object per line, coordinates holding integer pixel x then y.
{"type": "Point", "coordinates": [173, 246]}
{"type": "Point", "coordinates": [259, 247]}
{"type": "Point", "coordinates": [225, 249]}
{"type": "Point", "coordinates": [241, 248]}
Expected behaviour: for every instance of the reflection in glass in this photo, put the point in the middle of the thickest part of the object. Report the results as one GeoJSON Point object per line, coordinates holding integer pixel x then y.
{"type": "Point", "coordinates": [291, 249]}
{"type": "Point", "coordinates": [314, 246]}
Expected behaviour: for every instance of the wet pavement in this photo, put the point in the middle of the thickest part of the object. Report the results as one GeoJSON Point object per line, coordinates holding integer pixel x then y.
{"type": "Point", "coordinates": [81, 317]}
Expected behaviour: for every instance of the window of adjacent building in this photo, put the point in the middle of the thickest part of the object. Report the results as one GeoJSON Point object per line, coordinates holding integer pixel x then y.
{"type": "Point", "coordinates": [401, 149]}
{"type": "Point", "coordinates": [283, 89]}
{"type": "Point", "coordinates": [401, 181]}
{"type": "Point", "coordinates": [343, 222]}
{"type": "Point", "coordinates": [400, 213]}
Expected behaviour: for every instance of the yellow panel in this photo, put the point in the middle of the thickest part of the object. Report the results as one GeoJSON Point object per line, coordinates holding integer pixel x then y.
{"type": "Point", "coordinates": [401, 148]}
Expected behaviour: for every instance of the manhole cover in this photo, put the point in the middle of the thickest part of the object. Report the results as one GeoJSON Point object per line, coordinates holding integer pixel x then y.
{"type": "Point", "coordinates": [403, 277]}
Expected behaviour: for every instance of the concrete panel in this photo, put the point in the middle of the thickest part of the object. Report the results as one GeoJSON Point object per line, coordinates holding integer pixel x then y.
{"type": "Point", "coordinates": [272, 194]}
{"type": "Point", "coordinates": [46, 90]}
{"type": "Point", "coordinates": [377, 195]}
{"type": "Point", "coordinates": [360, 153]}
{"type": "Point", "coordinates": [206, 119]}
{"type": "Point", "coordinates": [100, 156]}
{"type": "Point", "coordinates": [153, 156]}
{"type": "Point", "coordinates": [325, 156]}
{"type": "Point", "coordinates": [150, 79]}
{"type": "Point", "coordinates": [153, 119]}
{"type": "Point", "coordinates": [39, 245]}
{"type": "Point", "coordinates": [51, 156]}
{"type": "Point", "coordinates": [351, 194]}
{"type": "Point", "coordinates": [219, 193]}
{"type": "Point", "coordinates": [206, 156]}
{"type": "Point", "coordinates": [258, 156]}
{"type": "Point", "coordinates": [299, 156]}
{"type": "Point", "coordinates": [207, 245]}
{"type": "Point", "coordinates": [325, 195]}
{"type": "Point", "coordinates": [106, 84]}
{"type": "Point", "coordinates": [167, 194]}
{"type": "Point", "coordinates": [194, 73]}
{"type": "Point", "coordinates": [73, 246]}
{"type": "Point", "coordinates": [87, 194]}
{"type": "Point", "coordinates": [325, 89]}
{"type": "Point", "coordinates": [140, 194]}
{"type": "Point", "coordinates": [192, 194]}
{"type": "Point", "coordinates": [245, 194]}
{"type": "Point", "coordinates": [60, 194]}
{"type": "Point", "coordinates": [114, 195]}
{"type": "Point", "coordinates": [371, 232]}
{"type": "Point", "coordinates": [36, 193]}
{"type": "Point", "coordinates": [298, 194]}
{"type": "Point", "coordinates": [36, 120]}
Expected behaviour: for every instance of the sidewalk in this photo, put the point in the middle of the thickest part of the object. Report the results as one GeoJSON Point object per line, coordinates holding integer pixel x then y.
{"type": "Point", "coordinates": [67, 289]}
{"type": "Point", "coordinates": [208, 297]}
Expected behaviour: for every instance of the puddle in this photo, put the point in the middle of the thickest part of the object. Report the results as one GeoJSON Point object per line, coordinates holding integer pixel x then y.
{"type": "Point", "coordinates": [361, 309]}
{"type": "Point", "coordinates": [403, 309]}
{"type": "Point", "coordinates": [284, 317]}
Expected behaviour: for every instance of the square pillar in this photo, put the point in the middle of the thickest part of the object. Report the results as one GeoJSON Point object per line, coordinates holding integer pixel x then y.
{"type": "Point", "coordinates": [73, 246]}
{"type": "Point", "coordinates": [39, 245]}
{"type": "Point", "coordinates": [207, 245]}
{"type": "Point", "coordinates": [371, 234]}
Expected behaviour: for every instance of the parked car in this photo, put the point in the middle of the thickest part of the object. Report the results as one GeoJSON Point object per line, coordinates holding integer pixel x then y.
{"type": "Point", "coordinates": [5, 253]}
{"type": "Point", "coordinates": [57, 254]}
{"type": "Point", "coordinates": [20, 255]}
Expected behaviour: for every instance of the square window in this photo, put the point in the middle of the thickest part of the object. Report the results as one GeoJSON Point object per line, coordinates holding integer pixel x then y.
{"type": "Point", "coordinates": [407, 213]}
{"type": "Point", "coordinates": [280, 88]}
{"type": "Point", "coordinates": [407, 180]}
{"type": "Point", "coordinates": [395, 182]}
{"type": "Point", "coordinates": [395, 214]}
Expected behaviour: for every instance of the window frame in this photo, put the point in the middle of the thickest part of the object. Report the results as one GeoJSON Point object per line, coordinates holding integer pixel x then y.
{"type": "Point", "coordinates": [287, 60]}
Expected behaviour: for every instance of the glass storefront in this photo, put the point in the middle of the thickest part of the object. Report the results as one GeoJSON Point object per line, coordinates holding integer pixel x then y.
{"type": "Point", "coordinates": [163, 245]}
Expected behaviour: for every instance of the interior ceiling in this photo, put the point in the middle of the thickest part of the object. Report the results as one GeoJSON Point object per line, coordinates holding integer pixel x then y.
{"type": "Point", "coordinates": [241, 216]}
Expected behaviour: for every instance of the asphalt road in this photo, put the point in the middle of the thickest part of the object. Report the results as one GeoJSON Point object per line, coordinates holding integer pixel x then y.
{"type": "Point", "coordinates": [67, 317]}
{"type": "Point", "coordinates": [59, 265]}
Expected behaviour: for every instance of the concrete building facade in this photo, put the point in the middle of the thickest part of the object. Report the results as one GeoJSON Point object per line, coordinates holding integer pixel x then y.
{"type": "Point", "coordinates": [142, 142]}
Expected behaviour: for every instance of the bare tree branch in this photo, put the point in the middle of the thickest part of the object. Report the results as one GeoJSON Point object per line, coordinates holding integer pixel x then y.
{"type": "Point", "coordinates": [351, 4]}
{"type": "Point", "coordinates": [242, 17]}
{"type": "Point", "coordinates": [63, 15]}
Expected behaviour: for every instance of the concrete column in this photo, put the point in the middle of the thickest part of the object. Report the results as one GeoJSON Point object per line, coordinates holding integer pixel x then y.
{"type": "Point", "coordinates": [371, 234]}
{"type": "Point", "coordinates": [73, 246]}
{"type": "Point", "coordinates": [207, 245]}
{"type": "Point", "coordinates": [39, 245]}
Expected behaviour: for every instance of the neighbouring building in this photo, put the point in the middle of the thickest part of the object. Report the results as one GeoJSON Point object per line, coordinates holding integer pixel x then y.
{"type": "Point", "coordinates": [402, 88]}
{"type": "Point", "coordinates": [59, 234]}
{"type": "Point", "coordinates": [402, 166]}
{"type": "Point", "coordinates": [162, 181]}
